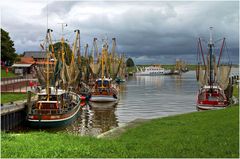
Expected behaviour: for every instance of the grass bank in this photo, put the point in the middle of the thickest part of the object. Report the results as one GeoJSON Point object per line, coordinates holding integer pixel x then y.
{"type": "Point", "coordinates": [11, 97]}
{"type": "Point", "coordinates": [5, 75]}
{"type": "Point", "coordinates": [198, 134]}
{"type": "Point", "coordinates": [236, 90]}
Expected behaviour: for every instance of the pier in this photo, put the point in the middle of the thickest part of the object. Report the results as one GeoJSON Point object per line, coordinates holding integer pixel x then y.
{"type": "Point", "coordinates": [12, 115]}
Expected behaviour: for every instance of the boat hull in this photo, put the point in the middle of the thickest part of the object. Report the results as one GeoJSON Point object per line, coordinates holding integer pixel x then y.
{"type": "Point", "coordinates": [211, 100]}
{"type": "Point", "coordinates": [52, 121]}
{"type": "Point", "coordinates": [152, 74]}
{"type": "Point", "coordinates": [210, 107]}
{"type": "Point", "coordinates": [103, 101]}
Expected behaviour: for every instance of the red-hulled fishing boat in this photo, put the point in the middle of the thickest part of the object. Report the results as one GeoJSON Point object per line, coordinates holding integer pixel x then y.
{"type": "Point", "coordinates": [213, 79]}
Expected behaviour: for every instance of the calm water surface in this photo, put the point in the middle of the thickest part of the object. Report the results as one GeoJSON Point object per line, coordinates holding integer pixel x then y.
{"type": "Point", "coordinates": [140, 97]}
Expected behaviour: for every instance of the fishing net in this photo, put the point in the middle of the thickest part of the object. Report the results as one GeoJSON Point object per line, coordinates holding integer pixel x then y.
{"type": "Point", "coordinates": [223, 78]}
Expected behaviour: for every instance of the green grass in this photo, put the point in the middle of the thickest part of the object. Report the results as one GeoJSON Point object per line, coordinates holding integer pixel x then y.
{"type": "Point", "coordinates": [236, 91]}
{"type": "Point", "coordinates": [10, 97]}
{"type": "Point", "coordinates": [4, 75]}
{"type": "Point", "coordinates": [198, 134]}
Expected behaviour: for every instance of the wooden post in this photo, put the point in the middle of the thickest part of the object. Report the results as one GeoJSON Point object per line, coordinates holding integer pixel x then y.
{"type": "Point", "coordinates": [29, 94]}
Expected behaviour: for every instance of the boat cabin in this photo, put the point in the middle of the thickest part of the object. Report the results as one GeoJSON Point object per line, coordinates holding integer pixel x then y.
{"type": "Point", "coordinates": [54, 105]}
{"type": "Point", "coordinates": [214, 95]}
{"type": "Point", "coordinates": [103, 87]}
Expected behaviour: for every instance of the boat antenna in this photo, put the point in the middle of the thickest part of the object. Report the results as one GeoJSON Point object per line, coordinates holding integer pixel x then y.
{"type": "Point", "coordinates": [211, 45]}
{"type": "Point", "coordinates": [63, 25]}
{"type": "Point", "coordinates": [211, 38]}
{"type": "Point", "coordinates": [47, 14]}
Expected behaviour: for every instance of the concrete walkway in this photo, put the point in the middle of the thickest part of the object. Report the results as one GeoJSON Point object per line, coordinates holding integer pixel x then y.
{"type": "Point", "coordinates": [16, 80]}
{"type": "Point", "coordinates": [116, 132]}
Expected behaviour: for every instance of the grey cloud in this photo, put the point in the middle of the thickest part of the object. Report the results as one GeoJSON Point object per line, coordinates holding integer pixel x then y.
{"type": "Point", "coordinates": [149, 30]}
{"type": "Point", "coordinates": [59, 7]}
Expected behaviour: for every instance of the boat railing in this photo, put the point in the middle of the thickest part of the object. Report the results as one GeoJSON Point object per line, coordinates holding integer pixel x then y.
{"type": "Point", "coordinates": [47, 111]}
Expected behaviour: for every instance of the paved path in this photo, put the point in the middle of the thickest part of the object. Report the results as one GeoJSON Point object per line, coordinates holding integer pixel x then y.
{"type": "Point", "coordinates": [16, 80]}
{"type": "Point", "coordinates": [7, 108]}
{"type": "Point", "coordinates": [116, 132]}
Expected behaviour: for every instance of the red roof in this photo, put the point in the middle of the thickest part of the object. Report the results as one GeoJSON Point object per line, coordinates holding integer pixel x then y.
{"type": "Point", "coordinates": [43, 62]}
{"type": "Point", "coordinates": [26, 60]}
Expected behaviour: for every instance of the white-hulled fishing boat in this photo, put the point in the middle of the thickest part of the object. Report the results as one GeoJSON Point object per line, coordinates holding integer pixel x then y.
{"type": "Point", "coordinates": [104, 93]}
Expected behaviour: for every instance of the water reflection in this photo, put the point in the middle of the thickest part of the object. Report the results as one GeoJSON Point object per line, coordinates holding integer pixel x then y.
{"type": "Point", "coordinates": [140, 97]}
{"type": "Point", "coordinates": [104, 119]}
{"type": "Point", "coordinates": [94, 121]}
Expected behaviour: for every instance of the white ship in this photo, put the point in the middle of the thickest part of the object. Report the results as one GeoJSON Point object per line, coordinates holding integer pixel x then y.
{"type": "Point", "coordinates": [153, 71]}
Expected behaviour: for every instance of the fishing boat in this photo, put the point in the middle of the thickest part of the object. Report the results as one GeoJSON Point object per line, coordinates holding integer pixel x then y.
{"type": "Point", "coordinates": [120, 76]}
{"type": "Point", "coordinates": [104, 92]}
{"type": "Point", "coordinates": [154, 70]}
{"type": "Point", "coordinates": [54, 106]}
{"type": "Point", "coordinates": [213, 79]}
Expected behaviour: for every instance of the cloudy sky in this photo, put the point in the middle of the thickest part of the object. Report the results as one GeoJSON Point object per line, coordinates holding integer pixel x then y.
{"type": "Point", "coordinates": [149, 32]}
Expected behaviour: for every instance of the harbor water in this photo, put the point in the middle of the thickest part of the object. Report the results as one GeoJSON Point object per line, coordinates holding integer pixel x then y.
{"type": "Point", "coordinates": [144, 97]}
{"type": "Point", "coordinates": [141, 97]}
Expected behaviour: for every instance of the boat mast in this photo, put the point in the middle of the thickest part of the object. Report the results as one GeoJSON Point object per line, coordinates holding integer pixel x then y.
{"type": "Point", "coordinates": [103, 54]}
{"type": "Point", "coordinates": [47, 69]}
{"type": "Point", "coordinates": [75, 45]}
{"type": "Point", "coordinates": [113, 55]}
{"type": "Point", "coordinates": [79, 48]}
{"type": "Point", "coordinates": [62, 41]}
{"type": "Point", "coordinates": [211, 45]}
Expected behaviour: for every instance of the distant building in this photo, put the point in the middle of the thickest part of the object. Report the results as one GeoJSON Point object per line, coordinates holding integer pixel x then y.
{"type": "Point", "coordinates": [28, 61]}
{"type": "Point", "coordinates": [24, 66]}
{"type": "Point", "coordinates": [36, 55]}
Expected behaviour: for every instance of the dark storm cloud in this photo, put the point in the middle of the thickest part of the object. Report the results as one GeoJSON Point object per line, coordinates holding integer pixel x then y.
{"type": "Point", "coordinates": [150, 31]}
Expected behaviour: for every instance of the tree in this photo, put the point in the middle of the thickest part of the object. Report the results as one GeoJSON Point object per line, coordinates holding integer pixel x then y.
{"type": "Point", "coordinates": [58, 50]}
{"type": "Point", "coordinates": [130, 62]}
{"type": "Point", "coordinates": [7, 48]}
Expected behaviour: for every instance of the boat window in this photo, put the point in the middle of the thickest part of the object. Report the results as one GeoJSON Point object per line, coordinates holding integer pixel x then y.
{"type": "Point", "coordinates": [42, 97]}
{"type": "Point", "coordinates": [99, 83]}
{"type": "Point", "coordinates": [53, 98]}
{"type": "Point", "coordinates": [212, 98]}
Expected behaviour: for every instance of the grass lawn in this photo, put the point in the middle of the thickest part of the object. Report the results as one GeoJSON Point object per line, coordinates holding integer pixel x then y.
{"type": "Point", "coordinates": [10, 97]}
{"type": "Point", "coordinates": [235, 91]}
{"type": "Point", "coordinates": [4, 75]}
{"type": "Point", "coordinates": [199, 134]}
